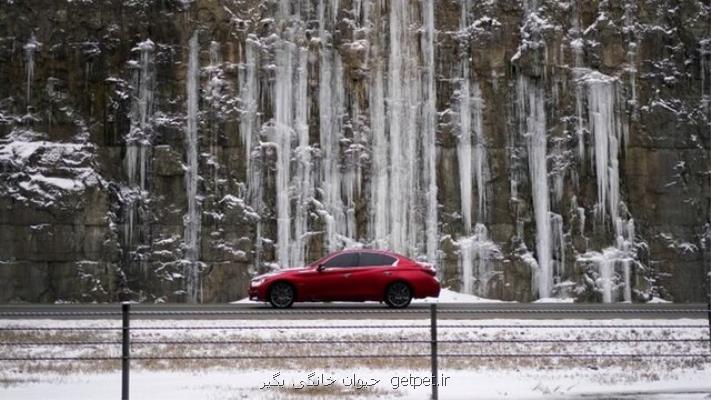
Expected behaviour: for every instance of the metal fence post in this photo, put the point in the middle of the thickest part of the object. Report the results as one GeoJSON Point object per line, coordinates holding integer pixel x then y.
{"type": "Point", "coordinates": [125, 350]}
{"type": "Point", "coordinates": [433, 347]}
{"type": "Point", "coordinates": [708, 303]}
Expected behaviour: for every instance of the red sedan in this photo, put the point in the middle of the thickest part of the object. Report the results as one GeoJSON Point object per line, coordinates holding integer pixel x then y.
{"type": "Point", "coordinates": [352, 275]}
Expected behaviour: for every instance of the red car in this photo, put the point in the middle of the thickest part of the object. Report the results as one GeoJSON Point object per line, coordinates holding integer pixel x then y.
{"type": "Point", "coordinates": [351, 275]}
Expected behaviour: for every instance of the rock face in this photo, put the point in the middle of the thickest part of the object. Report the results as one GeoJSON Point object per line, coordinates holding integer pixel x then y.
{"type": "Point", "coordinates": [169, 150]}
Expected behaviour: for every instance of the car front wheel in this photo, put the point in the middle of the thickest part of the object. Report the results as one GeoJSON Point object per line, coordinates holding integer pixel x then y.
{"type": "Point", "coordinates": [398, 295]}
{"type": "Point", "coordinates": [281, 295]}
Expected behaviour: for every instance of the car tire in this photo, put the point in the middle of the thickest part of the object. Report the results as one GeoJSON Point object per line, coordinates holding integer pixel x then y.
{"type": "Point", "coordinates": [281, 295]}
{"type": "Point", "coordinates": [398, 295]}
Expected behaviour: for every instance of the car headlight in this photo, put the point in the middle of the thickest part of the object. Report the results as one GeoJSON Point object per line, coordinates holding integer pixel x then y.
{"type": "Point", "coordinates": [257, 282]}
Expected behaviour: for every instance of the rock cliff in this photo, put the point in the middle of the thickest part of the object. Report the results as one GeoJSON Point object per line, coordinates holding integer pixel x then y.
{"type": "Point", "coordinates": [167, 150]}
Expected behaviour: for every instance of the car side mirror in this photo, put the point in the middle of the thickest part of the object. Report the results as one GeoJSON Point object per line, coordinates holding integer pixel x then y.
{"type": "Point", "coordinates": [320, 267]}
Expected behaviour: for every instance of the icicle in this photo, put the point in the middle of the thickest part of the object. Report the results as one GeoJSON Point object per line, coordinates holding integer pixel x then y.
{"type": "Point", "coordinates": [464, 152]}
{"type": "Point", "coordinates": [214, 92]}
{"type": "Point", "coordinates": [248, 124]}
{"type": "Point", "coordinates": [331, 94]}
{"type": "Point", "coordinates": [396, 115]}
{"type": "Point", "coordinates": [249, 92]}
{"type": "Point", "coordinates": [282, 137]}
{"type": "Point", "coordinates": [192, 218]}
{"type": "Point", "coordinates": [464, 144]}
{"type": "Point", "coordinates": [479, 149]}
{"type": "Point", "coordinates": [303, 181]}
{"type": "Point", "coordinates": [609, 134]}
{"type": "Point", "coordinates": [331, 110]}
{"type": "Point", "coordinates": [30, 48]}
{"type": "Point", "coordinates": [531, 104]}
{"type": "Point", "coordinates": [403, 188]}
{"type": "Point", "coordinates": [380, 179]}
{"type": "Point", "coordinates": [404, 87]}
{"type": "Point", "coordinates": [604, 129]}
{"type": "Point", "coordinates": [429, 121]}
{"type": "Point", "coordinates": [471, 156]}
{"type": "Point", "coordinates": [138, 139]}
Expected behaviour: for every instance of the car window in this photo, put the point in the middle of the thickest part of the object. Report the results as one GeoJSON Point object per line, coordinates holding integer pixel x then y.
{"type": "Point", "coordinates": [375, 259]}
{"type": "Point", "coordinates": [343, 260]}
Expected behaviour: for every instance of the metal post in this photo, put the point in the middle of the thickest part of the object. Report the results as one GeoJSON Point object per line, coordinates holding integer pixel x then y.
{"type": "Point", "coordinates": [433, 347]}
{"type": "Point", "coordinates": [708, 303]}
{"type": "Point", "coordinates": [125, 350]}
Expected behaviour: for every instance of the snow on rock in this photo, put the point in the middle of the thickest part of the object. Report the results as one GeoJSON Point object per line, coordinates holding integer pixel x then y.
{"type": "Point", "coordinates": [43, 172]}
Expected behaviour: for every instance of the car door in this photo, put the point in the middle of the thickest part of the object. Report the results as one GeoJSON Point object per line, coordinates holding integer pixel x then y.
{"type": "Point", "coordinates": [330, 282]}
{"type": "Point", "coordinates": [375, 273]}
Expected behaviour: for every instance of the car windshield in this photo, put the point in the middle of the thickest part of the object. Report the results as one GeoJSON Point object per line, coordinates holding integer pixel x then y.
{"type": "Point", "coordinates": [319, 261]}
{"type": "Point", "coordinates": [323, 260]}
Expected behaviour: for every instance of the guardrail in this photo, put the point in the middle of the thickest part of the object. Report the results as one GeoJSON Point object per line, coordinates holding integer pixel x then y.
{"type": "Point", "coordinates": [434, 326]}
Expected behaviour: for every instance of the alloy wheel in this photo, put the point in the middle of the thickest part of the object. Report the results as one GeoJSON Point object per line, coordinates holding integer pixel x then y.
{"type": "Point", "coordinates": [281, 295]}
{"type": "Point", "coordinates": [398, 295]}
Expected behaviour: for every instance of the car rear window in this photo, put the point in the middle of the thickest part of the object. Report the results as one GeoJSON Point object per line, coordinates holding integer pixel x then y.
{"type": "Point", "coordinates": [375, 259]}
{"type": "Point", "coordinates": [343, 260]}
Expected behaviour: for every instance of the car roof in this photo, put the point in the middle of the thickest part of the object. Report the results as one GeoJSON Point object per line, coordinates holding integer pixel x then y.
{"type": "Point", "coordinates": [376, 251]}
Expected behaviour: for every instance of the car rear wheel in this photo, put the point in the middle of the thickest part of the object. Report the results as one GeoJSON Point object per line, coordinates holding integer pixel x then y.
{"type": "Point", "coordinates": [398, 295]}
{"type": "Point", "coordinates": [281, 295]}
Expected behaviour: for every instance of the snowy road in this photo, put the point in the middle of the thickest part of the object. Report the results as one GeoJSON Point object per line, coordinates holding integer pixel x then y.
{"type": "Point", "coordinates": [309, 311]}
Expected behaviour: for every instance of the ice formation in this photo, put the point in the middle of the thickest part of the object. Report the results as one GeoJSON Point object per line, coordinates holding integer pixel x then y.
{"type": "Point", "coordinates": [138, 140]}
{"type": "Point", "coordinates": [475, 248]}
{"type": "Point", "coordinates": [193, 217]}
{"type": "Point", "coordinates": [30, 49]}
{"type": "Point", "coordinates": [532, 117]}
{"type": "Point", "coordinates": [608, 136]}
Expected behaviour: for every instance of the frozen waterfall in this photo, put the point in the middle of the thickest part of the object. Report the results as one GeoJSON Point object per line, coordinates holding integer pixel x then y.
{"type": "Point", "coordinates": [303, 181]}
{"type": "Point", "coordinates": [475, 248]}
{"type": "Point", "coordinates": [409, 119]}
{"type": "Point", "coordinates": [282, 139]}
{"type": "Point", "coordinates": [249, 130]}
{"type": "Point", "coordinates": [138, 140]}
{"type": "Point", "coordinates": [429, 111]}
{"type": "Point", "coordinates": [331, 110]}
{"type": "Point", "coordinates": [471, 156]}
{"type": "Point", "coordinates": [532, 117]}
{"type": "Point", "coordinates": [192, 219]}
{"type": "Point", "coordinates": [608, 134]}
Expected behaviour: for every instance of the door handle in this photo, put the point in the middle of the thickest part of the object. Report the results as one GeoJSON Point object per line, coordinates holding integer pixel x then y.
{"type": "Point", "coordinates": [388, 273]}
{"type": "Point", "coordinates": [346, 275]}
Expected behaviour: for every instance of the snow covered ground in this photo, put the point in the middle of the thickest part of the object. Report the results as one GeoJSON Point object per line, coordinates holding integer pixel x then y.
{"type": "Point", "coordinates": [481, 377]}
{"type": "Point", "coordinates": [461, 384]}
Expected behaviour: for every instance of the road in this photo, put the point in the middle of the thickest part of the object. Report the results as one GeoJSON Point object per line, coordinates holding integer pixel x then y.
{"type": "Point", "coordinates": [310, 311]}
